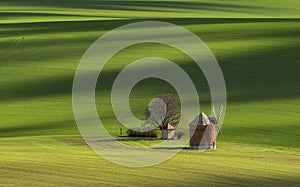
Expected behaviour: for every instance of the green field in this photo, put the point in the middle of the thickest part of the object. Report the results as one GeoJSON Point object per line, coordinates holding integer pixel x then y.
{"type": "Point", "coordinates": [256, 43]}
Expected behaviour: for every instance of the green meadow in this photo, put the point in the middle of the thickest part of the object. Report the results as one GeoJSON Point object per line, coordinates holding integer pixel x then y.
{"type": "Point", "coordinates": [257, 46]}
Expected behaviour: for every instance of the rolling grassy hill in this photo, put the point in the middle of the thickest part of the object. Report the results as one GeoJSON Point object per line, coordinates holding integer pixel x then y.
{"type": "Point", "coordinates": [256, 44]}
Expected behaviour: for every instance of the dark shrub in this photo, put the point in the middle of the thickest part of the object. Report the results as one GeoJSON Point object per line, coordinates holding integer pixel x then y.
{"type": "Point", "coordinates": [141, 132]}
{"type": "Point", "coordinates": [179, 135]}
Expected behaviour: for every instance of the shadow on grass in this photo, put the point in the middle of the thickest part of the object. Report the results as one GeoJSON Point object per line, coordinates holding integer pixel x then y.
{"type": "Point", "coordinates": [252, 75]}
{"type": "Point", "coordinates": [40, 129]}
{"type": "Point", "coordinates": [271, 73]}
{"type": "Point", "coordinates": [130, 5]}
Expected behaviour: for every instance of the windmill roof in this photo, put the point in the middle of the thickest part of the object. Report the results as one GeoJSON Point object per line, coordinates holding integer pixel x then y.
{"type": "Point", "coordinates": [201, 119]}
{"type": "Point", "coordinates": [170, 127]}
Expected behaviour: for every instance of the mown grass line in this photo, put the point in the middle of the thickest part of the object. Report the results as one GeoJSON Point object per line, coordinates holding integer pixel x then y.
{"type": "Point", "coordinates": [36, 159]}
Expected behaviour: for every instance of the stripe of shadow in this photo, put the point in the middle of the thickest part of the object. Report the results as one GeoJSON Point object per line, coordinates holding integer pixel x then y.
{"type": "Point", "coordinates": [272, 77]}
{"type": "Point", "coordinates": [141, 5]}
{"type": "Point", "coordinates": [15, 14]}
{"type": "Point", "coordinates": [42, 128]}
{"type": "Point", "coordinates": [262, 75]}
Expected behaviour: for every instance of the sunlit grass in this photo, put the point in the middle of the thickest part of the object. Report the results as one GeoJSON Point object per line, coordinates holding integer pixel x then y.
{"type": "Point", "coordinates": [41, 43]}
{"type": "Point", "coordinates": [66, 160]}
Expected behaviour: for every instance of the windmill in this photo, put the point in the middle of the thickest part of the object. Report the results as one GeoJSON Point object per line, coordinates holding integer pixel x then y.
{"type": "Point", "coordinates": [217, 118]}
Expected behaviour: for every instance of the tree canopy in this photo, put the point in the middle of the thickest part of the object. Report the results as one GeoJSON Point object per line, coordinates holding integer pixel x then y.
{"type": "Point", "coordinates": [164, 109]}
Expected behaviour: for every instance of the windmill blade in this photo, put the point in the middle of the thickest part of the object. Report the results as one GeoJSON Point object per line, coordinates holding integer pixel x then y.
{"type": "Point", "coordinates": [219, 130]}
{"type": "Point", "coordinates": [220, 114]}
{"type": "Point", "coordinates": [219, 117]}
{"type": "Point", "coordinates": [214, 112]}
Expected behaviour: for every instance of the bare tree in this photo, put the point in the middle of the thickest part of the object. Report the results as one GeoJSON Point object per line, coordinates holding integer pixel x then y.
{"type": "Point", "coordinates": [162, 110]}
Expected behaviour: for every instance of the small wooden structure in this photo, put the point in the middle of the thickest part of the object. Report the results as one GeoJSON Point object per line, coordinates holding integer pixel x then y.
{"type": "Point", "coordinates": [203, 132]}
{"type": "Point", "coordinates": [168, 132]}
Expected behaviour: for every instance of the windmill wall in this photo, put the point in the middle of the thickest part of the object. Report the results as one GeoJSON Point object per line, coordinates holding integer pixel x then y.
{"type": "Point", "coordinates": [203, 136]}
